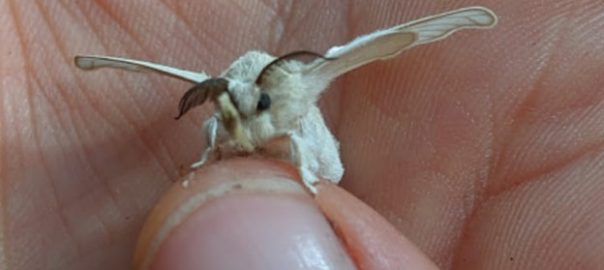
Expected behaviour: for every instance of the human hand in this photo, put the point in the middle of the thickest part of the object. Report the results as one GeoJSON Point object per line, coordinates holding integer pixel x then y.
{"type": "Point", "coordinates": [483, 149]}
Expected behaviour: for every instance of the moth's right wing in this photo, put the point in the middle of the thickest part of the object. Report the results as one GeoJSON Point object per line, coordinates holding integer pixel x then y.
{"type": "Point", "coordinates": [390, 42]}
{"type": "Point", "coordinates": [91, 62]}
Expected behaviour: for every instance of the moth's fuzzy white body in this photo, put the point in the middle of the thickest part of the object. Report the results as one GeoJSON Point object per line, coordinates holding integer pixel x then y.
{"type": "Point", "coordinates": [292, 116]}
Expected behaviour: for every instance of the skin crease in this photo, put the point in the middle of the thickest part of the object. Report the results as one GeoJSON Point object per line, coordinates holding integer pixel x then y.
{"type": "Point", "coordinates": [485, 150]}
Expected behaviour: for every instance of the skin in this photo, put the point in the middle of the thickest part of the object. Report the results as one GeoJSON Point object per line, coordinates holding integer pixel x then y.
{"type": "Point", "coordinates": [484, 150]}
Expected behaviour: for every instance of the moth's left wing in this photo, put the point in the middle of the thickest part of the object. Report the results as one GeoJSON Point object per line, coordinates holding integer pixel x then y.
{"type": "Point", "coordinates": [90, 62]}
{"type": "Point", "coordinates": [390, 42]}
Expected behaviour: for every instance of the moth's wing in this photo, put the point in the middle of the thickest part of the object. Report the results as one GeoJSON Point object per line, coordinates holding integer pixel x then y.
{"type": "Point", "coordinates": [390, 42]}
{"type": "Point", "coordinates": [91, 62]}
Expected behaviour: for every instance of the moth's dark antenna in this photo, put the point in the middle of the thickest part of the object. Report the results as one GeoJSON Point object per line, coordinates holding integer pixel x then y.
{"type": "Point", "coordinates": [288, 56]}
{"type": "Point", "coordinates": [199, 93]}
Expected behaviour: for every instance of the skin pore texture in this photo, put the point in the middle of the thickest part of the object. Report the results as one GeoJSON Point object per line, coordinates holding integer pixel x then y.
{"type": "Point", "coordinates": [485, 151]}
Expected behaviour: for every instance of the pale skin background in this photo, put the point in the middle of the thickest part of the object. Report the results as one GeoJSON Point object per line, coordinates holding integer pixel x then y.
{"type": "Point", "coordinates": [486, 150]}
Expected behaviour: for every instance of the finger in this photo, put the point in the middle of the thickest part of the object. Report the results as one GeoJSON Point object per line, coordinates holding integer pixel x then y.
{"type": "Point", "coordinates": [239, 214]}
{"type": "Point", "coordinates": [371, 240]}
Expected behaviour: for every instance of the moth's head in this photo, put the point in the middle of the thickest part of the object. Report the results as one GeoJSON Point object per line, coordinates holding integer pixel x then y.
{"type": "Point", "coordinates": [246, 98]}
{"type": "Point", "coordinates": [258, 75]}
{"type": "Point", "coordinates": [258, 80]}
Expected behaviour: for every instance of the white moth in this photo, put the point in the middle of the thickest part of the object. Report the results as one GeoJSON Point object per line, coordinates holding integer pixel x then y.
{"type": "Point", "coordinates": [261, 99]}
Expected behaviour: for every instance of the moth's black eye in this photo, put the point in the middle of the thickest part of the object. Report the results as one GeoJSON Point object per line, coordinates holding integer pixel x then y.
{"type": "Point", "coordinates": [264, 102]}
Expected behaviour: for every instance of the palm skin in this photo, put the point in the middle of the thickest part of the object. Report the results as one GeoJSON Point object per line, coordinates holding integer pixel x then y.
{"type": "Point", "coordinates": [485, 149]}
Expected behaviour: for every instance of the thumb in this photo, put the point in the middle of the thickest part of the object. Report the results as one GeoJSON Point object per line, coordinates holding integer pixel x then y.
{"type": "Point", "coordinates": [239, 214]}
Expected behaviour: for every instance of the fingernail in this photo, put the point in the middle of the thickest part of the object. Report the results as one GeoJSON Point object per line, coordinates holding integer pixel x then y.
{"type": "Point", "coordinates": [250, 220]}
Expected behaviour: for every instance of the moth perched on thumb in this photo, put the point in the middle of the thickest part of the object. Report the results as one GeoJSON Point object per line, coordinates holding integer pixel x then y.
{"type": "Point", "coordinates": [261, 98]}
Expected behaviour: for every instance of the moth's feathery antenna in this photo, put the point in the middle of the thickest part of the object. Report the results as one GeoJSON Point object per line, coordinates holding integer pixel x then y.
{"type": "Point", "coordinates": [199, 93]}
{"type": "Point", "coordinates": [285, 57]}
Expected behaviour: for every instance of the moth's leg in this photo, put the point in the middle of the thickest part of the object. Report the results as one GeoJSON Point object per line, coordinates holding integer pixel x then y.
{"type": "Point", "coordinates": [210, 127]}
{"type": "Point", "coordinates": [300, 157]}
